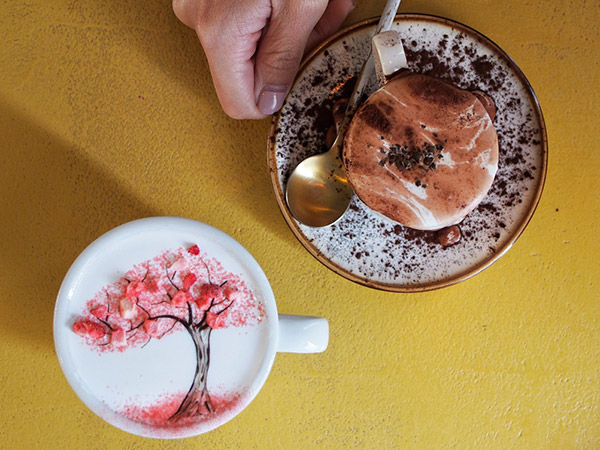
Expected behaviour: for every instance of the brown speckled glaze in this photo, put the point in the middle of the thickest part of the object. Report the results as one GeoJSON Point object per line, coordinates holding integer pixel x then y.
{"type": "Point", "coordinates": [370, 249]}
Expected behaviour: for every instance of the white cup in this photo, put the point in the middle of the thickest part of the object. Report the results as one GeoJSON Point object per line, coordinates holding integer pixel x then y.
{"type": "Point", "coordinates": [153, 390]}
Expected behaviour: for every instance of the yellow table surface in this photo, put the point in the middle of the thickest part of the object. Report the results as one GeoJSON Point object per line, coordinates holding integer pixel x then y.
{"type": "Point", "coordinates": [107, 114]}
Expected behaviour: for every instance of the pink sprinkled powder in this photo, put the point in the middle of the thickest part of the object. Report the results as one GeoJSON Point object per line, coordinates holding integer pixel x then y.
{"type": "Point", "coordinates": [158, 414]}
{"type": "Point", "coordinates": [177, 291]}
{"type": "Point", "coordinates": [152, 285]}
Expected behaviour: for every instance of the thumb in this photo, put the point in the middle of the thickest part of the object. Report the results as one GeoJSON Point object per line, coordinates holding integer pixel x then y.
{"type": "Point", "coordinates": [281, 48]}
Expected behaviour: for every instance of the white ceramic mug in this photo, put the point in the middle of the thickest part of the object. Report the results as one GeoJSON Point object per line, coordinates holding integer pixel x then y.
{"type": "Point", "coordinates": [120, 327]}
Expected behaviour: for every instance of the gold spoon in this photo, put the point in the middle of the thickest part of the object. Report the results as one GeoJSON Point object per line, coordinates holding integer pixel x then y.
{"type": "Point", "coordinates": [317, 192]}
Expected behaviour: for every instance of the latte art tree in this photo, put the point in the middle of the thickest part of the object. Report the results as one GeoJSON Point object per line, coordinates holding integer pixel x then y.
{"type": "Point", "coordinates": [181, 290]}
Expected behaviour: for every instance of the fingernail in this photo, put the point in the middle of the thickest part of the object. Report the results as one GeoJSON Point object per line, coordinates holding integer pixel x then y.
{"type": "Point", "coordinates": [271, 99]}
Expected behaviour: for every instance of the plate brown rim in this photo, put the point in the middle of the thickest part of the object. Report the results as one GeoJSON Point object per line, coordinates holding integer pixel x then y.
{"type": "Point", "coordinates": [465, 274]}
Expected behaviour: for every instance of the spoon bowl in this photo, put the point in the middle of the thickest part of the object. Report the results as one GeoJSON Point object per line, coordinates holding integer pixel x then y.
{"type": "Point", "coordinates": [318, 192]}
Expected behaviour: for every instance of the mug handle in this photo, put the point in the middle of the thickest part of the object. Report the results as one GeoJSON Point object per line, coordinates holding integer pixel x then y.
{"type": "Point", "coordinates": [302, 334]}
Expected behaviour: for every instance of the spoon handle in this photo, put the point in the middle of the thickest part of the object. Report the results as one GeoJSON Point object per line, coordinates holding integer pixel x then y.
{"type": "Point", "coordinates": [388, 16]}
{"type": "Point", "coordinates": [385, 23]}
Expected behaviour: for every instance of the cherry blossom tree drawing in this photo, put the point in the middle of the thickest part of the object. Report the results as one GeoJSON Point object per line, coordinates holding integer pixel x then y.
{"type": "Point", "coordinates": [177, 290]}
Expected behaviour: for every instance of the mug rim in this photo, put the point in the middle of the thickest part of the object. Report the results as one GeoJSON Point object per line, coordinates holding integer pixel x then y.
{"type": "Point", "coordinates": [127, 230]}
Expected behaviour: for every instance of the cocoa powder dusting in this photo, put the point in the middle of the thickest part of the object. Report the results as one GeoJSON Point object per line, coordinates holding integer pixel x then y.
{"type": "Point", "coordinates": [373, 247]}
{"type": "Point", "coordinates": [374, 117]}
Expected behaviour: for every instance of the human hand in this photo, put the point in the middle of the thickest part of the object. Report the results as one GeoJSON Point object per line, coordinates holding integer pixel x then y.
{"type": "Point", "coordinates": [254, 47]}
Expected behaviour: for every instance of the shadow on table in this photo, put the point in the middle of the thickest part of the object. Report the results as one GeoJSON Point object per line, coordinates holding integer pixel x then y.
{"type": "Point", "coordinates": [54, 203]}
{"type": "Point", "coordinates": [174, 49]}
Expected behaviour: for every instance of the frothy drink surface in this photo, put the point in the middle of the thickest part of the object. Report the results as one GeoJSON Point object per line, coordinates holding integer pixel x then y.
{"type": "Point", "coordinates": [422, 152]}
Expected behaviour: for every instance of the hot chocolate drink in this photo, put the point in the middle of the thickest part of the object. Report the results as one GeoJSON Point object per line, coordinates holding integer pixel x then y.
{"type": "Point", "coordinates": [422, 152]}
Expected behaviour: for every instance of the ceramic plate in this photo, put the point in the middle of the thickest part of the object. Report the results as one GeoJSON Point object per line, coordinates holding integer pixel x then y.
{"type": "Point", "coordinates": [143, 357]}
{"type": "Point", "coordinates": [370, 249]}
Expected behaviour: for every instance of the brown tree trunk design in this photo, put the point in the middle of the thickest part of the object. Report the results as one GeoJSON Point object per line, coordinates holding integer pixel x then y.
{"type": "Point", "coordinates": [197, 401]}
